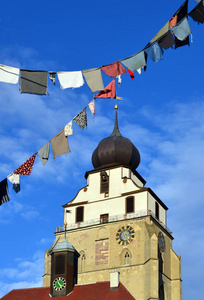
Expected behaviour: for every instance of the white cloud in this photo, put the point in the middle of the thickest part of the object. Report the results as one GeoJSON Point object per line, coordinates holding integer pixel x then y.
{"type": "Point", "coordinates": [27, 273]}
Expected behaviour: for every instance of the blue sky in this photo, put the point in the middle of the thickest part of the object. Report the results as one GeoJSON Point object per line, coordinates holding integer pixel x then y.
{"type": "Point", "coordinates": [162, 114]}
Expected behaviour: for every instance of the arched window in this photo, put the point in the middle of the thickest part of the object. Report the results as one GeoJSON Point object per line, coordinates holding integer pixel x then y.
{"type": "Point", "coordinates": [127, 258]}
{"type": "Point", "coordinates": [104, 183]}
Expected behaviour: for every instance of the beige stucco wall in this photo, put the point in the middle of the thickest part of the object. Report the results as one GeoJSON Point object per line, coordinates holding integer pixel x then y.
{"type": "Point", "coordinates": [103, 254]}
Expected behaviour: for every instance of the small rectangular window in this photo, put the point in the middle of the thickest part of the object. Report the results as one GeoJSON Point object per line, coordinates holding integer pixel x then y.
{"type": "Point", "coordinates": [157, 210]}
{"type": "Point", "coordinates": [80, 214]}
{"type": "Point", "coordinates": [129, 205]}
{"type": "Point", "coordinates": [104, 218]}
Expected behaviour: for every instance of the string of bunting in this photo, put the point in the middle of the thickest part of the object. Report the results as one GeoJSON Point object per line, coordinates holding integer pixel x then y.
{"type": "Point", "coordinates": [175, 33]}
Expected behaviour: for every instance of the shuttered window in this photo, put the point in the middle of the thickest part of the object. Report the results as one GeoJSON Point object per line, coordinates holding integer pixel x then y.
{"type": "Point", "coordinates": [60, 264]}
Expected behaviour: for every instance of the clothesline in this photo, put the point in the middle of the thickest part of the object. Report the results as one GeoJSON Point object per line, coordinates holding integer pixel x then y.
{"type": "Point", "coordinates": [174, 33]}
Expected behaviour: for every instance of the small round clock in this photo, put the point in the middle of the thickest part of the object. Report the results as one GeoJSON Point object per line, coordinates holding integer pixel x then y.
{"type": "Point", "coordinates": [161, 241]}
{"type": "Point", "coordinates": [125, 235]}
{"type": "Point", "coordinates": [59, 283]}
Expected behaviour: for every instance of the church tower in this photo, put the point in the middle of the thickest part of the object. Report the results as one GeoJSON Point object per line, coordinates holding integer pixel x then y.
{"type": "Point", "coordinates": [118, 223]}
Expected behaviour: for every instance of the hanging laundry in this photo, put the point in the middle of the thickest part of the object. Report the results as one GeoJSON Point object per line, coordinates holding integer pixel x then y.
{"type": "Point", "coordinates": [119, 77]}
{"type": "Point", "coordinates": [135, 62]}
{"type": "Point", "coordinates": [94, 79]}
{"type": "Point", "coordinates": [60, 144]}
{"type": "Point", "coordinates": [15, 180]}
{"type": "Point", "coordinates": [68, 130]}
{"type": "Point", "coordinates": [52, 77]}
{"type": "Point", "coordinates": [114, 69]}
{"type": "Point", "coordinates": [161, 32]}
{"type": "Point", "coordinates": [179, 14]}
{"type": "Point", "coordinates": [173, 21]}
{"type": "Point", "coordinates": [197, 14]}
{"type": "Point", "coordinates": [4, 195]}
{"type": "Point", "coordinates": [167, 40]}
{"type": "Point", "coordinates": [179, 43]}
{"type": "Point", "coordinates": [33, 82]}
{"type": "Point", "coordinates": [81, 118]}
{"type": "Point", "coordinates": [92, 106]}
{"type": "Point", "coordinates": [154, 51]}
{"type": "Point", "coordinates": [182, 29]}
{"type": "Point", "coordinates": [132, 75]}
{"type": "Point", "coordinates": [70, 79]}
{"type": "Point", "coordinates": [44, 153]}
{"type": "Point", "coordinates": [9, 74]}
{"type": "Point", "coordinates": [109, 91]}
{"type": "Point", "coordinates": [26, 167]}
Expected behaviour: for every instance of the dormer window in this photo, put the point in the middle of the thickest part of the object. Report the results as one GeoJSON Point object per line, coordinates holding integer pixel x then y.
{"type": "Point", "coordinates": [104, 183]}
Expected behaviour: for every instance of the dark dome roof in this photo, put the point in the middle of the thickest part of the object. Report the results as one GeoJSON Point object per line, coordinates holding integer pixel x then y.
{"type": "Point", "coordinates": [115, 150]}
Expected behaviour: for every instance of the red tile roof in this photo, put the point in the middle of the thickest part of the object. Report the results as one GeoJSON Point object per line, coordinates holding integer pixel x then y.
{"type": "Point", "coordinates": [93, 291]}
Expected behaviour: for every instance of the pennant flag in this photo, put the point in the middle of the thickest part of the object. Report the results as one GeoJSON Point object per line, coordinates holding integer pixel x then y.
{"type": "Point", "coordinates": [15, 180]}
{"type": "Point", "coordinates": [114, 69]}
{"type": "Point", "coordinates": [60, 144]}
{"type": "Point", "coordinates": [167, 40]}
{"type": "Point", "coordinates": [9, 74]}
{"type": "Point", "coordinates": [94, 79]}
{"type": "Point", "coordinates": [68, 130]}
{"type": "Point", "coordinates": [52, 77]}
{"type": "Point", "coordinates": [70, 79]}
{"type": "Point", "coordinates": [81, 118]}
{"type": "Point", "coordinates": [197, 14]}
{"type": "Point", "coordinates": [179, 43]}
{"type": "Point", "coordinates": [109, 91]}
{"type": "Point", "coordinates": [4, 196]}
{"type": "Point", "coordinates": [132, 75]}
{"type": "Point", "coordinates": [26, 168]}
{"type": "Point", "coordinates": [182, 29]}
{"type": "Point", "coordinates": [155, 51]}
{"type": "Point", "coordinates": [33, 82]}
{"type": "Point", "coordinates": [161, 32]}
{"type": "Point", "coordinates": [92, 106]}
{"type": "Point", "coordinates": [135, 62]}
{"type": "Point", "coordinates": [44, 153]}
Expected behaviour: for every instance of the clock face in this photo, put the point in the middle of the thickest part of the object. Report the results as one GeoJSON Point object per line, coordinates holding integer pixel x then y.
{"type": "Point", "coordinates": [59, 283]}
{"type": "Point", "coordinates": [125, 235]}
{"type": "Point", "coordinates": [161, 241]}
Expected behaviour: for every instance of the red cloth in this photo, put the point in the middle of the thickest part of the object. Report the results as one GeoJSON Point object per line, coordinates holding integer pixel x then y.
{"type": "Point", "coordinates": [26, 168]}
{"type": "Point", "coordinates": [109, 91]}
{"type": "Point", "coordinates": [114, 69]}
{"type": "Point", "coordinates": [132, 75]}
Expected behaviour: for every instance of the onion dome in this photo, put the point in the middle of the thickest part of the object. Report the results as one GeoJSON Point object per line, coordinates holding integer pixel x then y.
{"type": "Point", "coordinates": [115, 150]}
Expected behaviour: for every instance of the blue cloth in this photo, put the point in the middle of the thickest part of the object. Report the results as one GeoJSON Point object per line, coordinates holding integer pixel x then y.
{"type": "Point", "coordinates": [182, 30]}
{"type": "Point", "coordinates": [135, 61]}
{"type": "Point", "coordinates": [155, 51]}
